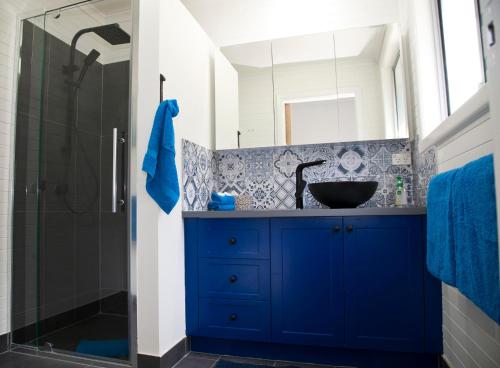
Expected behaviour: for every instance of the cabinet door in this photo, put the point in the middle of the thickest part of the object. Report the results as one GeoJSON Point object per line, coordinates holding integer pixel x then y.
{"type": "Point", "coordinates": [306, 286]}
{"type": "Point", "coordinates": [384, 283]}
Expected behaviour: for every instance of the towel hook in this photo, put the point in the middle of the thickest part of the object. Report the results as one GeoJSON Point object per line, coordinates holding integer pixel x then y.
{"type": "Point", "coordinates": [162, 79]}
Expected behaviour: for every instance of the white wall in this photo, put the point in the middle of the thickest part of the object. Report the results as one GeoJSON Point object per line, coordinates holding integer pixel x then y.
{"type": "Point", "coordinates": [471, 339]}
{"type": "Point", "coordinates": [145, 80]}
{"type": "Point", "coordinates": [226, 103]}
{"type": "Point", "coordinates": [186, 59]}
{"type": "Point", "coordinates": [7, 46]}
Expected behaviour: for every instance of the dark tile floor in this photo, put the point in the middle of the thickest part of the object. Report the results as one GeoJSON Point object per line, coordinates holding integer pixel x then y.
{"type": "Point", "coordinates": [200, 360]}
{"type": "Point", "coordinates": [17, 360]}
{"type": "Point", "coordinates": [192, 360]}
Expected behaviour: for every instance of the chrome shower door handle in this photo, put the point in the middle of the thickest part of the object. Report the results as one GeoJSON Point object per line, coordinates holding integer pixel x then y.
{"type": "Point", "coordinates": [114, 189]}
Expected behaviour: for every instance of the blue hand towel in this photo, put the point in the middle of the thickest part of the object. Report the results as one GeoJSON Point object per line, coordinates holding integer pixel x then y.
{"type": "Point", "coordinates": [440, 237]}
{"type": "Point", "coordinates": [223, 198]}
{"type": "Point", "coordinates": [214, 206]}
{"type": "Point", "coordinates": [474, 206]}
{"type": "Point", "coordinates": [162, 182]}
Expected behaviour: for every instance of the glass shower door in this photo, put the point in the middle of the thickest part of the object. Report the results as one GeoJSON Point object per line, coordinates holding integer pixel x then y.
{"type": "Point", "coordinates": [25, 253]}
{"type": "Point", "coordinates": [81, 274]}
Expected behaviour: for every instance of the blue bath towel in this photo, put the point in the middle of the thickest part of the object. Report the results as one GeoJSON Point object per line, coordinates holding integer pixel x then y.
{"type": "Point", "coordinates": [103, 348]}
{"type": "Point", "coordinates": [159, 162]}
{"type": "Point", "coordinates": [223, 198]}
{"type": "Point", "coordinates": [440, 236]}
{"type": "Point", "coordinates": [476, 235]}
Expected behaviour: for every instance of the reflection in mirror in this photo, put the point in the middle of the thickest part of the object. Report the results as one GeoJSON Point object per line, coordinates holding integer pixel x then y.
{"type": "Point", "coordinates": [255, 126]}
{"type": "Point", "coordinates": [370, 70]}
{"type": "Point", "coordinates": [342, 86]}
{"type": "Point", "coordinates": [305, 89]}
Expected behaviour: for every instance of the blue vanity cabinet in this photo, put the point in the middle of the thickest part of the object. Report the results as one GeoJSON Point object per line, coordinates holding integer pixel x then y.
{"type": "Point", "coordinates": [306, 281]}
{"type": "Point", "coordinates": [228, 279]}
{"type": "Point", "coordinates": [384, 283]}
{"type": "Point", "coordinates": [357, 284]}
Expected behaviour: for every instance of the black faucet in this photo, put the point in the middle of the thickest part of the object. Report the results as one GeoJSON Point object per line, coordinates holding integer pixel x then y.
{"type": "Point", "coordinates": [300, 183]}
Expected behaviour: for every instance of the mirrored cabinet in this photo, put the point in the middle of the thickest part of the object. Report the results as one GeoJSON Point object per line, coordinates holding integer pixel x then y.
{"type": "Point", "coordinates": [339, 86]}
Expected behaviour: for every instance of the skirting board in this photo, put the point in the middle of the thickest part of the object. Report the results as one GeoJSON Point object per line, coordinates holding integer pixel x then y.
{"type": "Point", "coordinates": [168, 360]}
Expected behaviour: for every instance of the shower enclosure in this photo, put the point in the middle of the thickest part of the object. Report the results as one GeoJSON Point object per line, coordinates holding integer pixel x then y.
{"type": "Point", "coordinates": [70, 283]}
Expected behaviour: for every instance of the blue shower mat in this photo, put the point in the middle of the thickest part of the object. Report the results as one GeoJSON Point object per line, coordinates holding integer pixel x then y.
{"type": "Point", "coordinates": [104, 348]}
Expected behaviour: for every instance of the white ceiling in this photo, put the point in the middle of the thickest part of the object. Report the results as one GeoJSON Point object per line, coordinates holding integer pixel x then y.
{"type": "Point", "coordinates": [233, 22]}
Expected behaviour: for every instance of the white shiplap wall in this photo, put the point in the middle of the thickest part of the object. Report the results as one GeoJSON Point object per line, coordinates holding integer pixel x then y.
{"type": "Point", "coordinates": [7, 46]}
{"type": "Point", "coordinates": [471, 339]}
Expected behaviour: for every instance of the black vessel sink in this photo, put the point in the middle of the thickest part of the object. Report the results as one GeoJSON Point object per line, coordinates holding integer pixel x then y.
{"type": "Point", "coordinates": [343, 194]}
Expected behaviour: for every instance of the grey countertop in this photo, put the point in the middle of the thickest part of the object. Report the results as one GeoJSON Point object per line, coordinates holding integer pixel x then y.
{"type": "Point", "coordinates": [371, 211]}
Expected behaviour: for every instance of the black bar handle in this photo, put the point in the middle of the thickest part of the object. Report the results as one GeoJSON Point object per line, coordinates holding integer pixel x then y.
{"type": "Point", "coordinates": [162, 80]}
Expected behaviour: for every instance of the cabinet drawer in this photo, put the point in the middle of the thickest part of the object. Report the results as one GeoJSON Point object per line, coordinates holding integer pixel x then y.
{"type": "Point", "coordinates": [235, 319]}
{"type": "Point", "coordinates": [234, 279]}
{"type": "Point", "coordinates": [234, 238]}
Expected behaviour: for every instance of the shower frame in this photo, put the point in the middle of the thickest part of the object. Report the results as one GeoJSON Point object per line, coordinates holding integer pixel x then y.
{"type": "Point", "coordinates": [131, 208]}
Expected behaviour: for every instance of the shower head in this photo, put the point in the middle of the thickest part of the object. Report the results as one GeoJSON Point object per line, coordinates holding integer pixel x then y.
{"type": "Point", "coordinates": [89, 60]}
{"type": "Point", "coordinates": [92, 57]}
{"type": "Point", "coordinates": [113, 34]}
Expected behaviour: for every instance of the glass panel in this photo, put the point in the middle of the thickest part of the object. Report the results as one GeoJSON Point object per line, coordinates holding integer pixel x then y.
{"type": "Point", "coordinates": [30, 100]}
{"type": "Point", "coordinates": [462, 50]}
{"type": "Point", "coordinates": [81, 263]}
{"type": "Point", "coordinates": [253, 65]}
{"type": "Point", "coordinates": [401, 127]}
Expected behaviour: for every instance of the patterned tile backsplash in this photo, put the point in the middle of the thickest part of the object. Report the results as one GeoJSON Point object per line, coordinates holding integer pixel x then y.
{"type": "Point", "coordinates": [198, 179]}
{"type": "Point", "coordinates": [425, 168]}
{"type": "Point", "coordinates": [268, 174]}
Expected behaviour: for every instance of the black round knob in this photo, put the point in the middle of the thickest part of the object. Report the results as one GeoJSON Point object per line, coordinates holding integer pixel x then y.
{"type": "Point", "coordinates": [233, 317]}
{"type": "Point", "coordinates": [349, 228]}
{"type": "Point", "coordinates": [232, 241]}
{"type": "Point", "coordinates": [336, 228]}
{"type": "Point", "coordinates": [233, 279]}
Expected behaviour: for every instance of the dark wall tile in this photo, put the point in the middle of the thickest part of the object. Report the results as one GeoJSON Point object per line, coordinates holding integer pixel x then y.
{"type": "Point", "coordinates": [58, 167]}
{"type": "Point", "coordinates": [30, 83]}
{"type": "Point", "coordinates": [87, 172]}
{"type": "Point", "coordinates": [66, 103]}
{"type": "Point", "coordinates": [57, 262]}
{"type": "Point", "coordinates": [27, 163]}
{"type": "Point", "coordinates": [90, 101]}
{"type": "Point", "coordinates": [113, 252]}
{"type": "Point", "coordinates": [87, 258]}
{"type": "Point", "coordinates": [106, 172]}
{"type": "Point", "coordinates": [115, 106]}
